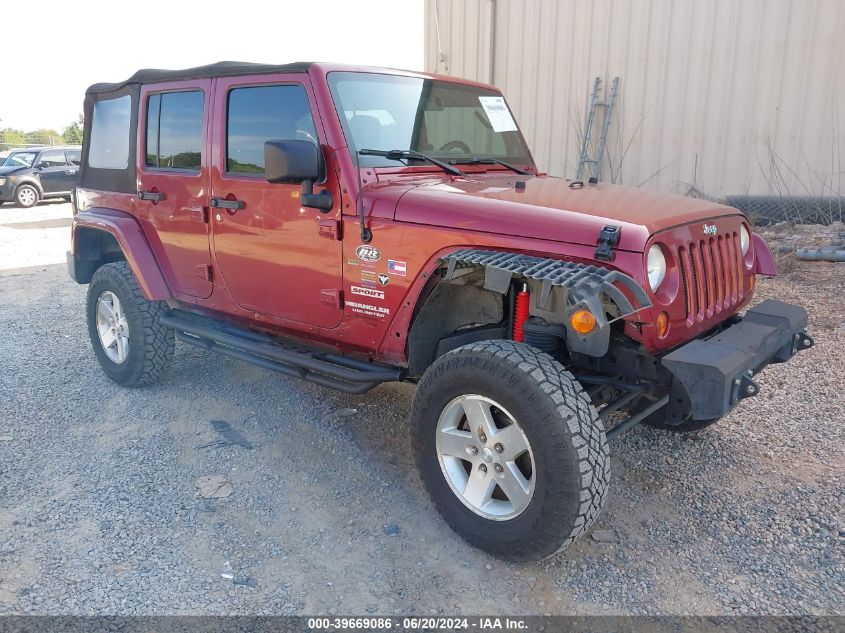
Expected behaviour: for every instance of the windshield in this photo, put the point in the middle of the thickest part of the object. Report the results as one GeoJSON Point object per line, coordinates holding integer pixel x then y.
{"type": "Point", "coordinates": [20, 159]}
{"type": "Point", "coordinates": [445, 120]}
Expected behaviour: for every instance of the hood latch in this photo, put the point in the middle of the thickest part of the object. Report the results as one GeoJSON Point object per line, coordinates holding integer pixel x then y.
{"type": "Point", "coordinates": [608, 238]}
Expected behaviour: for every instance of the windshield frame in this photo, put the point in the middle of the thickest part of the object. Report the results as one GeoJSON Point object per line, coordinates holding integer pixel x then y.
{"type": "Point", "coordinates": [514, 137]}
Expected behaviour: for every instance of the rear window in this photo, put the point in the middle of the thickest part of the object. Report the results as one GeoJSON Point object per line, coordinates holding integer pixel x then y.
{"type": "Point", "coordinates": [174, 130]}
{"type": "Point", "coordinates": [109, 148]}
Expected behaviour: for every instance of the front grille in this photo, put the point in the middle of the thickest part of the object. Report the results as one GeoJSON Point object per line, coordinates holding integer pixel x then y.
{"type": "Point", "coordinates": [711, 275]}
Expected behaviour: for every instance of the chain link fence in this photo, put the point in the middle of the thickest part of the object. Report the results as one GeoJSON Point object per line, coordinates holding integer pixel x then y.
{"type": "Point", "coordinates": [766, 210]}
{"type": "Point", "coordinates": [29, 141]}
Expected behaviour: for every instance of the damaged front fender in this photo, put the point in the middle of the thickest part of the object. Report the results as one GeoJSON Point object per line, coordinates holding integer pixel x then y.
{"type": "Point", "coordinates": [583, 286]}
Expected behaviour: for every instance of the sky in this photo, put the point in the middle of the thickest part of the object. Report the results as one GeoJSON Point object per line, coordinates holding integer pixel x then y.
{"type": "Point", "coordinates": [83, 42]}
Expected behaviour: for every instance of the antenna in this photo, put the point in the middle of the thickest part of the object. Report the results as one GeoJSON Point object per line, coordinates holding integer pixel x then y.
{"type": "Point", "coordinates": [441, 58]}
{"type": "Point", "coordinates": [366, 234]}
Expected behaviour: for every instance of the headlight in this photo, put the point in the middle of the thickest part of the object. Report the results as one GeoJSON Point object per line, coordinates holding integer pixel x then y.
{"type": "Point", "coordinates": [744, 239]}
{"type": "Point", "coordinates": [655, 267]}
{"type": "Point", "coordinates": [2, 181]}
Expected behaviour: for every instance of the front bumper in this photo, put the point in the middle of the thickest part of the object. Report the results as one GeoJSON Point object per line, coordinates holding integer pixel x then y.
{"type": "Point", "coordinates": [7, 190]}
{"type": "Point", "coordinates": [711, 375]}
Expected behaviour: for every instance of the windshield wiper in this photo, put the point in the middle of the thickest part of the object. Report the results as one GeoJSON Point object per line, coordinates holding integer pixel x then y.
{"type": "Point", "coordinates": [404, 154]}
{"type": "Point", "coordinates": [488, 160]}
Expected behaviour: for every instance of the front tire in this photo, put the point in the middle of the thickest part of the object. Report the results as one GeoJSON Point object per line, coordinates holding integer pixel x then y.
{"type": "Point", "coordinates": [26, 196]}
{"type": "Point", "coordinates": [510, 449]}
{"type": "Point", "coordinates": [132, 347]}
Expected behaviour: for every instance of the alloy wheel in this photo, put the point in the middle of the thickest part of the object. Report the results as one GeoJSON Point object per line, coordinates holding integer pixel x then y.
{"type": "Point", "coordinates": [112, 327]}
{"type": "Point", "coordinates": [485, 457]}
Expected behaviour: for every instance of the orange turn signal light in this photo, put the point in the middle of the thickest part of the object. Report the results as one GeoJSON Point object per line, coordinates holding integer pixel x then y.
{"type": "Point", "coordinates": [662, 324]}
{"type": "Point", "coordinates": [582, 321]}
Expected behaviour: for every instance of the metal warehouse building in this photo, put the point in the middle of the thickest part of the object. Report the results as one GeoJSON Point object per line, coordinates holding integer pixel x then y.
{"type": "Point", "coordinates": [720, 97]}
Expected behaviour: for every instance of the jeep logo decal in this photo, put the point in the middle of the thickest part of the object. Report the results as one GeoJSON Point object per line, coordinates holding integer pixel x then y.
{"type": "Point", "coordinates": [710, 229]}
{"type": "Point", "coordinates": [367, 253]}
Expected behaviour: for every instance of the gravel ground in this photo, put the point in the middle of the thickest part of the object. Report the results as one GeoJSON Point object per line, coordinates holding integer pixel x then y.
{"type": "Point", "coordinates": [323, 512]}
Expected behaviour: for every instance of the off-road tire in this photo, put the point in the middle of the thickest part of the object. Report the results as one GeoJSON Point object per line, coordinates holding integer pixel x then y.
{"type": "Point", "coordinates": [561, 425]}
{"type": "Point", "coordinates": [26, 201]}
{"type": "Point", "coordinates": [151, 344]}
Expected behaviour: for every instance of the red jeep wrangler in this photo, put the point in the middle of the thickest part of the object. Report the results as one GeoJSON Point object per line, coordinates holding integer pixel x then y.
{"type": "Point", "coordinates": [351, 226]}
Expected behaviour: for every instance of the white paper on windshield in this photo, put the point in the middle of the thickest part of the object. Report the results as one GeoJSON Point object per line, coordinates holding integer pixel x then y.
{"type": "Point", "coordinates": [498, 114]}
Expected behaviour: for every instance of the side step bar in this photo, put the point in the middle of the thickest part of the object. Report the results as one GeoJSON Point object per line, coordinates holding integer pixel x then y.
{"type": "Point", "coordinates": [349, 375]}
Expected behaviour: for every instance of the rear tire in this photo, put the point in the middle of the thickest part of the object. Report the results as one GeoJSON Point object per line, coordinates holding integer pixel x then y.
{"type": "Point", "coordinates": [26, 196]}
{"type": "Point", "coordinates": [132, 347]}
{"type": "Point", "coordinates": [564, 466]}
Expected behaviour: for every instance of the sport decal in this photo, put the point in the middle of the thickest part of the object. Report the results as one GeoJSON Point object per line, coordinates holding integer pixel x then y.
{"type": "Point", "coordinates": [383, 280]}
{"type": "Point", "coordinates": [396, 267]}
{"type": "Point", "coordinates": [368, 310]}
{"type": "Point", "coordinates": [367, 292]}
{"type": "Point", "coordinates": [367, 253]}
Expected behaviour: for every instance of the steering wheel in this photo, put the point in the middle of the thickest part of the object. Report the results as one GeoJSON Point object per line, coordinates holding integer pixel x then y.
{"type": "Point", "coordinates": [456, 145]}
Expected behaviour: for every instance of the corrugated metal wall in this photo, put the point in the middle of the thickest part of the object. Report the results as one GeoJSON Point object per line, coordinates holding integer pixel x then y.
{"type": "Point", "coordinates": [728, 96]}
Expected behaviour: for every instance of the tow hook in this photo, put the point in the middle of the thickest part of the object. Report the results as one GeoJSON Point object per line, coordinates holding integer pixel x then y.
{"type": "Point", "coordinates": [745, 387]}
{"type": "Point", "coordinates": [800, 341]}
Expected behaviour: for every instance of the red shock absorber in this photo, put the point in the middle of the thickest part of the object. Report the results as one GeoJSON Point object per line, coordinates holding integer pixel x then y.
{"type": "Point", "coordinates": [520, 314]}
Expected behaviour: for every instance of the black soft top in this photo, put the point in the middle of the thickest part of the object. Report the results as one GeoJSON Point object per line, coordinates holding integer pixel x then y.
{"type": "Point", "coordinates": [220, 69]}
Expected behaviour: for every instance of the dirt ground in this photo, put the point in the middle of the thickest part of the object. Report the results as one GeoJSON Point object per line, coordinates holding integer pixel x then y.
{"type": "Point", "coordinates": [318, 507]}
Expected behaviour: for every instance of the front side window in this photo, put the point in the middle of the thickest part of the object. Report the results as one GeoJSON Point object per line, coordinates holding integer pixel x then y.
{"type": "Point", "coordinates": [446, 120]}
{"type": "Point", "coordinates": [52, 159]}
{"type": "Point", "coordinates": [174, 130]}
{"type": "Point", "coordinates": [109, 147]}
{"type": "Point", "coordinates": [262, 113]}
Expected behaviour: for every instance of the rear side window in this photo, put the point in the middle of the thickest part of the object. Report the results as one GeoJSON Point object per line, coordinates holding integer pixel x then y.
{"type": "Point", "coordinates": [109, 148]}
{"type": "Point", "coordinates": [174, 130]}
{"type": "Point", "coordinates": [53, 158]}
{"type": "Point", "coordinates": [74, 156]}
{"type": "Point", "coordinates": [261, 113]}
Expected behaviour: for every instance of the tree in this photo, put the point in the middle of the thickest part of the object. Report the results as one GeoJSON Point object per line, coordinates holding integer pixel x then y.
{"type": "Point", "coordinates": [10, 137]}
{"type": "Point", "coordinates": [72, 134]}
{"type": "Point", "coordinates": [43, 136]}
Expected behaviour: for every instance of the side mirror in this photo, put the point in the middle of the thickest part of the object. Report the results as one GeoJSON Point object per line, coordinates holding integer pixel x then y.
{"type": "Point", "coordinates": [297, 161]}
{"type": "Point", "coordinates": [291, 161]}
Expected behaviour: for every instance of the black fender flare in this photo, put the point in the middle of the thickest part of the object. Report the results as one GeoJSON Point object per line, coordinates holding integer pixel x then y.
{"type": "Point", "coordinates": [583, 283]}
{"type": "Point", "coordinates": [30, 180]}
{"type": "Point", "coordinates": [583, 286]}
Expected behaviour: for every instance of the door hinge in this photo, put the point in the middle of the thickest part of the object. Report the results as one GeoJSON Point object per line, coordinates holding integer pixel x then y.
{"type": "Point", "coordinates": [332, 296]}
{"type": "Point", "coordinates": [330, 229]}
{"type": "Point", "coordinates": [205, 271]}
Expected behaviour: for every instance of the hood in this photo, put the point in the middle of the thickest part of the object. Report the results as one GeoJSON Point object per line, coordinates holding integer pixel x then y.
{"type": "Point", "coordinates": [8, 170]}
{"type": "Point", "coordinates": [549, 208]}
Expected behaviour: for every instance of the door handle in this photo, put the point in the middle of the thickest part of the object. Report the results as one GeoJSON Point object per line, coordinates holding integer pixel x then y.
{"type": "Point", "coordinates": [223, 203]}
{"type": "Point", "coordinates": [153, 196]}
{"type": "Point", "coordinates": [70, 172]}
